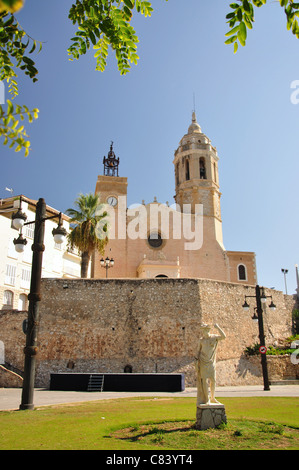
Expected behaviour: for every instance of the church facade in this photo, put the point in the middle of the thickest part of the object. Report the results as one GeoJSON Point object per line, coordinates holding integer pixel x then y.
{"type": "Point", "coordinates": [183, 240]}
{"type": "Point", "coordinates": [171, 273]}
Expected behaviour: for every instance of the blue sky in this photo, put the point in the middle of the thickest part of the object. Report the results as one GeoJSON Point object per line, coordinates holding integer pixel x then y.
{"type": "Point", "coordinates": [242, 104]}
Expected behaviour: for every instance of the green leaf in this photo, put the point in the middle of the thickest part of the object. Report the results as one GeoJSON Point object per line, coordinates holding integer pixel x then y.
{"type": "Point", "coordinates": [129, 4]}
{"type": "Point", "coordinates": [242, 35]}
{"type": "Point", "coordinates": [230, 15]}
{"type": "Point", "coordinates": [246, 5]}
{"type": "Point", "coordinates": [233, 31]}
{"type": "Point", "coordinates": [10, 107]}
{"type": "Point", "coordinates": [230, 40]}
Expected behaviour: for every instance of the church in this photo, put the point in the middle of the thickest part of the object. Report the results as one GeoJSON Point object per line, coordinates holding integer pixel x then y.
{"type": "Point", "coordinates": [171, 273]}
{"type": "Point", "coordinates": [183, 240]}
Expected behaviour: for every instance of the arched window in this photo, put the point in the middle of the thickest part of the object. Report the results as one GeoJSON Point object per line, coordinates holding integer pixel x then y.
{"type": "Point", "coordinates": [177, 174]}
{"type": "Point", "coordinates": [22, 302]}
{"type": "Point", "coordinates": [8, 299]}
{"type": "Point", "coordinates": [187, 170]}
{"type": "Point", "coordinates": [128, 369]}
{"type": "Point", "coordinates": [242, 275]}
{"type": "Point", "coordinates": [202, 169]}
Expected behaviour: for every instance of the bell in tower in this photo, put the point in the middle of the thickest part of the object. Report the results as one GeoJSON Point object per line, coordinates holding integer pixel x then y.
{"type": "Point", "coordinates": [111, 163]}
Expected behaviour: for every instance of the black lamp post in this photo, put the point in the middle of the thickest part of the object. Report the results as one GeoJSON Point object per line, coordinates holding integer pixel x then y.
{"type": "Point", "coordinates": [107, 263]}
{"type": "Point", "coordinates": [260, 299]}
{"type": "Point", "coordinates": [34, 296]}
{"type": "Point", "coordinates": [285, 272]}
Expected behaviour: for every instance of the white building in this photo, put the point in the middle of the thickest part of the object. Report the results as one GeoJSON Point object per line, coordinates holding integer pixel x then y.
{"type": "Point", "coordinates": [15, 268]}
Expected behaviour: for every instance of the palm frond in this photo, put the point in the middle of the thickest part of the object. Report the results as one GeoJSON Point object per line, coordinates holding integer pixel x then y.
{"type": "Point", "coordinates": [84, 224]}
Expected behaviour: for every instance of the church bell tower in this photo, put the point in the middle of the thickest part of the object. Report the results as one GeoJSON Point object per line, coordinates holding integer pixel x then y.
{"type": "Point", "coordinates": [110, 186]}
{"type": "Point", "coordinates": [196, 177]}
{"type": "Point", "coordinates": [111, 163]}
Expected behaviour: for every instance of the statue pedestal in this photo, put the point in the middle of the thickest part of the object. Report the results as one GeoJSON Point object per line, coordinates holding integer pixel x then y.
{"type": "Point", "coordinates": [210, 415]}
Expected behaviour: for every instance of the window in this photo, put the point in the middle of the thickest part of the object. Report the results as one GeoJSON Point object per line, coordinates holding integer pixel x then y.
{"type": "Point", "coordinates": [187, 170]}
{"type": "Point", "coordinates": [202, 169]}
{"type": "Point", "coordinates": [177, 173]}
{"type": "Point", "coordinates": [242, 276]}
{"type": "Point", "coordinates": [22, 302]}
{"type": "Point", "coordinates": [155, 240]}
{"type": "Point", "coordinates": [29, 230]}
{"type": "Point", "coordinates": [27, 255]}
{"type": "Point", "coordinates": [8, 298]}
{"type": "Point", "coordinates": [25, 278]}
{"type": "Point", "coordinates": [10, 276]}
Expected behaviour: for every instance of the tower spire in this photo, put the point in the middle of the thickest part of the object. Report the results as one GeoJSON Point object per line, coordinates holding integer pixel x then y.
{"type": "Point", "coordinates": [194, 126]}
{"type": "Point", "coordinates": [111, 163]}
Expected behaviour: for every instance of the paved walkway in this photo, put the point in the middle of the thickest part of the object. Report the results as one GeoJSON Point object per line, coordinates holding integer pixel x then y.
{"type": "Point", "coordinates": [10, 398]}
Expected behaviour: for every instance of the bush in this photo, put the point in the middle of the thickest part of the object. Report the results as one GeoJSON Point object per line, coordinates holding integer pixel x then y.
{"type": "Point", "coordinates": [252, 350]}
{"type": "Point", "coordinates": [274, 350]}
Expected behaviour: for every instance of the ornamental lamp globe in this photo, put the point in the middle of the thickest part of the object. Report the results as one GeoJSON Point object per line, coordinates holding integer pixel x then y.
{"type": "Point", "coordinates": [18, 219]}
{"type": "Point", "coordinates": [20, 243]}
{"type": "Point", "coordinates": [59, 234]}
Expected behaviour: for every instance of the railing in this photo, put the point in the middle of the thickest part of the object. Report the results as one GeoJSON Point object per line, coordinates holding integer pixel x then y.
{"type": "Point", "coordinates": [12, 369]}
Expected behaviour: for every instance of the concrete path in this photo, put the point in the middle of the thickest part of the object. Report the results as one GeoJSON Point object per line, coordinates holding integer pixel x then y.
{"type": "Point", "coordinates": [10, 398]}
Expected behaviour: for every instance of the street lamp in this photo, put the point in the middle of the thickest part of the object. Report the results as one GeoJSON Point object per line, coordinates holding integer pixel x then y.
{"type": "Point", "coordinates": [34, 296]}
{"type": "Point", "coordinates": [18, 219]}
{"type": "Point", "coordinates": [285, 272]}
{"type": "Point", "coordinates": [107, 263]}
{"type": "Point", "coordinates": [20, 243]}
{"type": "Point", "coordinates": [261, 298]}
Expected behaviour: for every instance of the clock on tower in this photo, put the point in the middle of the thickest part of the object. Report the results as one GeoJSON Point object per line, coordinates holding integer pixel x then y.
{"type": "Point", "coordinates": [110, 186]}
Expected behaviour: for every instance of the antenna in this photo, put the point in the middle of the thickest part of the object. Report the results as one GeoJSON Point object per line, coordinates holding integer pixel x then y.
{"type": "Point", "coordinates": [193, 101]}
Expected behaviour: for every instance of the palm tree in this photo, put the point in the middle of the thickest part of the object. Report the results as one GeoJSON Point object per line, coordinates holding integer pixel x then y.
{"type": "Point", "coordinates": [88, 228]}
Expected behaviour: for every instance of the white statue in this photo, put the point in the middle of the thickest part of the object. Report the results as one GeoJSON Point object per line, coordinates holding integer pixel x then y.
{"type": "Point", "coordinates": [206, 365]}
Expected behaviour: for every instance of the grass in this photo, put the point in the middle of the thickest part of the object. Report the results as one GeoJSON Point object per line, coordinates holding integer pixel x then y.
{"type": "Point", "coordinates": [237, 435]}
{"type": "Point", "coordinates": [152, 424]}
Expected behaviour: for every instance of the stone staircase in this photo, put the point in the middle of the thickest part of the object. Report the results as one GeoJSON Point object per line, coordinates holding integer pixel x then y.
{"type": "Point", "coordinates": [96, 383]}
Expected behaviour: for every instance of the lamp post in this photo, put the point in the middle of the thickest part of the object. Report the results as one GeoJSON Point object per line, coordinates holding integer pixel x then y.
{"type": "Point", "coordinates": [34, 296]}
{"type": "Point", "coordinates": [285, 272]}
{"type": "Point", "coordinates": [261, 298]}
{"type": "Point", "coordinates": [107, 263]}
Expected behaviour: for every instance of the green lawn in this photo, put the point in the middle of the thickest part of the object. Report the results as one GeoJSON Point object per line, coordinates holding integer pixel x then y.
{"type": "Point", "coordinates": [152, 423]}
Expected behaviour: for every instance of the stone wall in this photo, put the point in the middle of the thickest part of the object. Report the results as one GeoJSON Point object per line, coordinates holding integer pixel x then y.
{"type": "Point", "coordinates": [9, 379]}
{"type": "Point", "coordinates": [99, 325]}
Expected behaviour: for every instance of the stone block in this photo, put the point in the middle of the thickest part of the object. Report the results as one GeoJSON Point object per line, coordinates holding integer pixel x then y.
{"type": "Point", "coordinates": [210, 416]}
